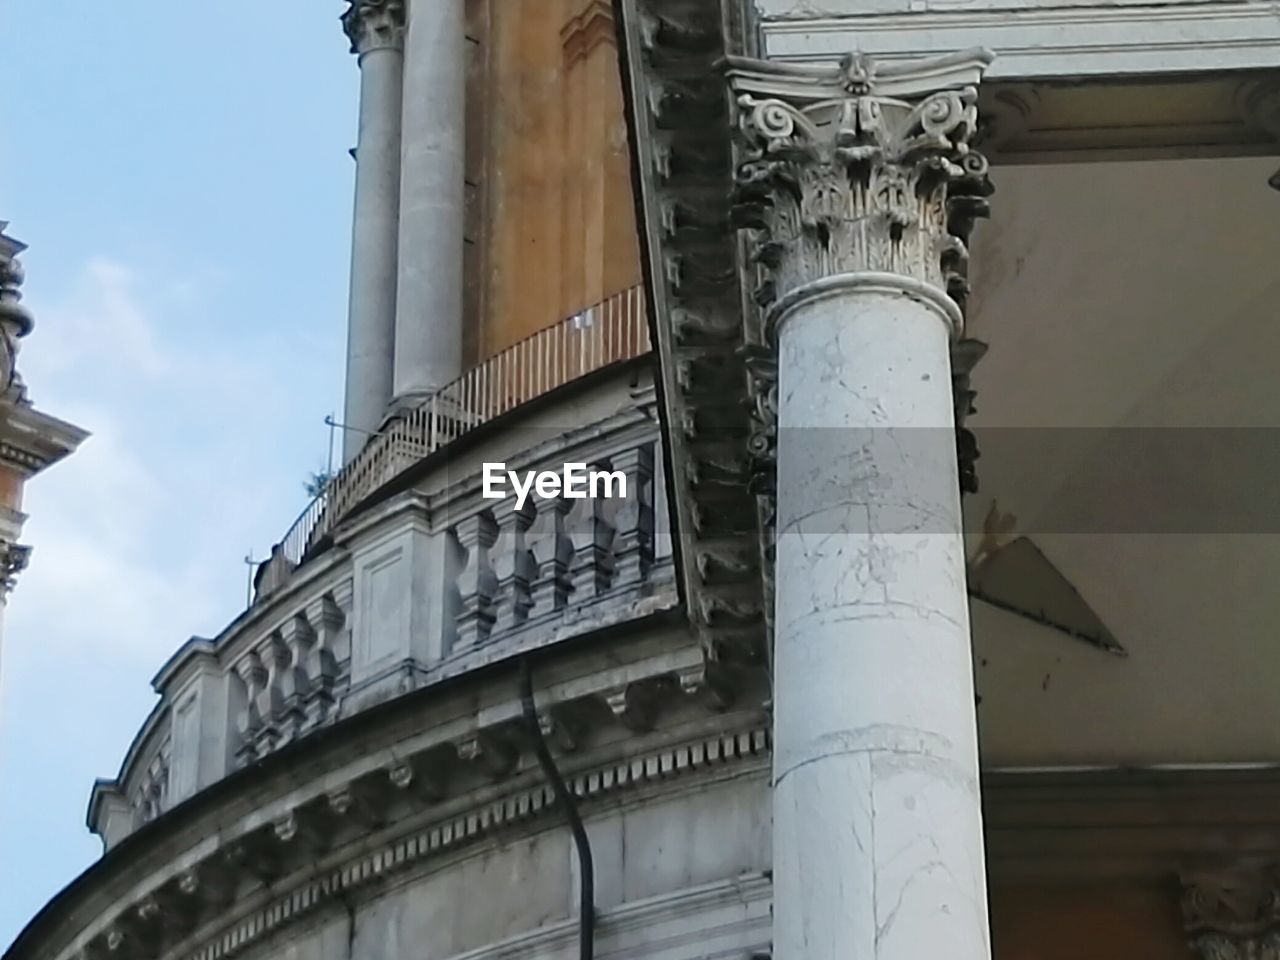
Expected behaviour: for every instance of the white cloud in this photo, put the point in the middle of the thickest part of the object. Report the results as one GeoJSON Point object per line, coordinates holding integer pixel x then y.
{"type": "Point", "coordinates": [200, 442]}
{"type": "Point", "coordinates": [188, 466]}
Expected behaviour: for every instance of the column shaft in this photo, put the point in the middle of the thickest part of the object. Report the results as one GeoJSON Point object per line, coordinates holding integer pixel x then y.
{"type": "Point", "coordinates": [428, 336]}
{"type": "Point", "coordinates": [877, 823]}
{"type": "Point", "coordinates": [861, 187]}
{"type": "Point", "coordinates": [372, 309]}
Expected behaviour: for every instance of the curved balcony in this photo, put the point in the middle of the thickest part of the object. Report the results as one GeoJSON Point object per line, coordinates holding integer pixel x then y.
{"type": "Point", "coordinates": [403, 574]}
{"type": "Point", "coordinates": [612, 331]}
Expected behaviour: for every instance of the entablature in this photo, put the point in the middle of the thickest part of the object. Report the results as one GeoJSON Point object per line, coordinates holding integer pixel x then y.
{"type": "Point", "coordinates": [1034, 39]}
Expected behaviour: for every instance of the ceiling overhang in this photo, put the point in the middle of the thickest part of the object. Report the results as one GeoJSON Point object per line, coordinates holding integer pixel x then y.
{"type": "Point", "coordinates": [1034, 39]}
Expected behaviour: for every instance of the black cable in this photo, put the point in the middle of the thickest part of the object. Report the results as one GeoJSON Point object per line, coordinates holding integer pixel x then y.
{"type": "Point", "coordinates": [567, 802]}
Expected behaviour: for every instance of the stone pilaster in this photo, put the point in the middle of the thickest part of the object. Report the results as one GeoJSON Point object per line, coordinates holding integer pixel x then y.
{"type": "Point", "coordinates": [1233, 913]}
{"type": "Point", "coordinates": [859, 188]}
{"type": "Point", "coordinates": [376, 29]}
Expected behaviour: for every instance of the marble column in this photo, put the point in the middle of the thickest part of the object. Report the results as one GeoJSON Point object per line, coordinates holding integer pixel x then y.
{"type": "Point", "coordinates": [859, 186]}
{"type": "Point", "coordinates": [432, 197]}
{"type": "Point", "coordinates": [376, 30]}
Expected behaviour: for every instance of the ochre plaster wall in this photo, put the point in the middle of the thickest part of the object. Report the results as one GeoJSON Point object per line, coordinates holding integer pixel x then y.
{"type": "Point", "coordinates": [1100, 922]}
{"type": "Point", "coordinates": [554, 217]}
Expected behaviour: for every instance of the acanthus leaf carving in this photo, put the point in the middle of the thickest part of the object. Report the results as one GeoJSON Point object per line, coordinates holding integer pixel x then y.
{"type": "Point", "coordinates": [1233, 914]}
{"type": "Point", "coordinates": [849, 170]}
{"type": "Point", "coordinates": [865, 168]}
{"type": "Point", "coordinates": [374, 24]}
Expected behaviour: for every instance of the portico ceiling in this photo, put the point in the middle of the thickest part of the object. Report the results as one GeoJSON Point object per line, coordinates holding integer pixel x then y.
{"type": "Point", "coordinates": [1129, 417]}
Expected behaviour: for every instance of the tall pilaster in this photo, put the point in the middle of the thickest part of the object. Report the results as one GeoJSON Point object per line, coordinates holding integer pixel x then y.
{"type": "Point", "coordinates": [376, 30]}
{"type": "Point", "coordinates": [861, 188]}
{"type": "Point", "coordinates": [432, 198]}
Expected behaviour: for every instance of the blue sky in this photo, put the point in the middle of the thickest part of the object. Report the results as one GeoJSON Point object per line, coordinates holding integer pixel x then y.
{"type": "Point", "coordinates": [180, 172]}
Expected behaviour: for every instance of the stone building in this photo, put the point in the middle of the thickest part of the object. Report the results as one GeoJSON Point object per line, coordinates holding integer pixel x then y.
{"type": "Point", "coordinates": [758, 259]}
{"type": "Point", "coordinates": [30, 440]}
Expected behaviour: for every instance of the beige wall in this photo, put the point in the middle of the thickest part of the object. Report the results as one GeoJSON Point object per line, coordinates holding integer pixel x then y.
{"type": "Point", "coordinates": [553, 225]}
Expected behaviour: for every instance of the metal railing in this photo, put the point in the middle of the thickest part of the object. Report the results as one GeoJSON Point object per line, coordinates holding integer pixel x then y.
{"type": "Point", "coordinates": [609, 332]}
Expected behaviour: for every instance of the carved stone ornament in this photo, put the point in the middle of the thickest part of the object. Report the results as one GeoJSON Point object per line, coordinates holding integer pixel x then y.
{"type": "Point", "coordinates": [15, 319]}
{"type": "Point", "coordinates": [374, 24]}
{"type": "Point", "coordinates": [13, 560]}
{"type": "Point", "coordinates": [865, 167]}
{"type": "Point", "coordinates": [1233, 914]}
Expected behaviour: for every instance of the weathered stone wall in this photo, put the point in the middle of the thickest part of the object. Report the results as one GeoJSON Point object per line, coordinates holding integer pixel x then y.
{"type": "Point", "coordinates": [686, 866]}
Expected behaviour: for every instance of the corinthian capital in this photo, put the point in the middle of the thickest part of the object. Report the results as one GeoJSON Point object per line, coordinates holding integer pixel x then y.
{"type": "Point", "coordinates": [374, 24]}
{"type": "Point", "coordinates": [1233, 914]}
{"type": "Point", "coordinates": [862, 167]}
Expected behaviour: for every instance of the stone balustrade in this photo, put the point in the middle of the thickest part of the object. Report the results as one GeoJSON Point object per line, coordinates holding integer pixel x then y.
{"type": "Point", "coordinates": [292, 679]}
{"type": "Point", "coordinates": [435, 581]}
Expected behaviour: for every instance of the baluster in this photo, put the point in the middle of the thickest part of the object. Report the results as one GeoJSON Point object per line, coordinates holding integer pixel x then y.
{"type": "Point", "coordinates": [475, 584]}
{"type": "Point", "coordinates": [155, 782]}
{"type": "Point", "coordinates": [254, 677]}
{"type": "Point", "coordinates": [512, 565]}
{"type": "Point", "coordinates": [275, 657]}
{"type": "Point", "coordinates": [326, 620]}
{"type": "Point", "coordinates": [299, 640]}
{"type": "Point", "coordinates": [590, 547]}
{"type": "Point", "coordinates": [633, 517]}
{"type": "Point", "coordinates": [551, 551]}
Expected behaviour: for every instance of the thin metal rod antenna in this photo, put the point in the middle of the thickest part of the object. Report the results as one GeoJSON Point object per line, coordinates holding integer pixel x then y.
{"type": "Point", "coordinates": [329, 421]}
{"type": "Point", "coordinates": [342, 426]}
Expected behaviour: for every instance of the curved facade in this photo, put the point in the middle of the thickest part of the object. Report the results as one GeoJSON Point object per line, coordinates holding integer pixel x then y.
{"type": "Point", "coordinates": [685, 245]}
{"type": "Point", "coordinates": [346, 770]}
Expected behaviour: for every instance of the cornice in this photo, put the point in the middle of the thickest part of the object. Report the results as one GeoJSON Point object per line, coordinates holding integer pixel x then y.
{"type": "Point", "coordinates": [197, 894]}
{"type": "Point", "coordinates": [672, 56]}
{"type": "Point", "coordinates": [32, 440]}
{"type": "Point", "coordinates": [718, 756]}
